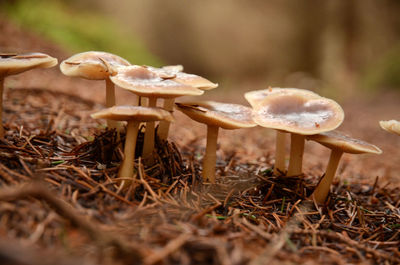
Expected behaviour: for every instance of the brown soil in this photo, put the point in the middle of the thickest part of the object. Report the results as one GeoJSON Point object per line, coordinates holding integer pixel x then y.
{"type": "Point", "coordinates": [59, 198]}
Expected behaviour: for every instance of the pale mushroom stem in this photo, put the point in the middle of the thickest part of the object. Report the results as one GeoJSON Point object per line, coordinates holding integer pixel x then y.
{"type": "Point", "coordinates": [296, 154]}
{"type": "Point", "coordinates": [210, 158]}
{"type": "Point", "coordinates": [1, 107]}
{"type": "Point", "coordinates": [163, 127]}
{"type": "Point", "coordinates": [110, 101]}
{"type": "Point", "coordinates": [127, 166]}
{"type": "Point", "coordinates": [322, 190]}
{"type": "Point", "coordinates": [280, 152]}
{"type": "Point", "coordinates": [148, 142]}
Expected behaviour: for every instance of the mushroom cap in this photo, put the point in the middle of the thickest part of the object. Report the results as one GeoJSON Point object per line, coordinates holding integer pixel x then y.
{"type": "Point", "coordinates": [298, 112]}
{"type": "Point", "coordinates": [92, 65]}
{"type": "Point", "coordinates": [12, 63]}
{"type": "Point", "coordinates": [255, 97]}
{"type": "Point", "coordinates": [134, 113]}
{"type": "Point", "coordinates": [338, 140]}
{"type": "Point", "coordinates": [175, 73]}
{"type": "Point", "coordinates": [226, 116]}
{"type": "Point", "coordinates": [391, 126]}
{"type": "Point", "coordinates": [143, 82]}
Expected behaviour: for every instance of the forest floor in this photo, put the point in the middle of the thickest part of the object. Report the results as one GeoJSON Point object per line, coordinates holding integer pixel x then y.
{"type": "Point", "coordinates": [59, 198]}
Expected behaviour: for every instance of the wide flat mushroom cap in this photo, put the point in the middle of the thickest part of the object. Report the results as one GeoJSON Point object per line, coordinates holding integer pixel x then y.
{"type": "Point", "coordinates": [92, 65]}
{"type": "Point", "coordinates": [226, 116]}
{"type": "Point", "coordinates": [299, 113]}
{"type": "Point", "coordinates": [391, 126]}
{"type": "Point", "coordinates": [11, 64]}
{"type": "Point", "coordinates": [175, 73]}
{"type": "Point", "coordinates": [255, 97]}
{"type": "Point", "coordinates": [143, 82]}
{"type": "Point", "coordinates": [337, 140]}
{"type": "Point", "coordinates": [136, 113]}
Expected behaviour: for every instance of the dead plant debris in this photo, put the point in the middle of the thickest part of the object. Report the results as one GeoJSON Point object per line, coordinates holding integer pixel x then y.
{"type": "Point", "coordinates": [58, 191]}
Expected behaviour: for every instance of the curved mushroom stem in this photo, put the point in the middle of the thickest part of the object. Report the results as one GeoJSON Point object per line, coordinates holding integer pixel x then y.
{"type": "Point", "coordinates": [148, 142]}
{"type": "Point", "coordinates": [280, 152]}
{"type": "Point", "coordinates": [1, 107]}
{"type": "Point", "coordinates": [296, 154]}
{"type": "Point", "coordinates": [127, 166]}
{"type": "Point", "coordinates": [322, 190]}
{"type": "Point", "coordinates": [110, 101]}
{"type": "Point", "coordinates": [210, 158]}
{"type": "Point", "coordinates": [163, 127]}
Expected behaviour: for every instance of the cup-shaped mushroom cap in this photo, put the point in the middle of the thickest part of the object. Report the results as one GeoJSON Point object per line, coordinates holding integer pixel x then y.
{"type": "Point", "coordinates": [257, 96]}
{"type": "Point", "coordinates": [226, 116]}
{"type": "Point", "coordinates": [92, 65]}
{"type": "Point", "coordinates": [11, 64]}
{"type": "Point", "coordinates": [345, 143]}
{"type": "Point", "coordinates": [391, 126]}
{"type": "Point", "coordinates": [175, 73]}
{"type": "Point", "coordinates": [143, 82]}
{"type": "Point", "coordinates": [301, 113]}
{"type": "Point", "coordinates": [133, 113]}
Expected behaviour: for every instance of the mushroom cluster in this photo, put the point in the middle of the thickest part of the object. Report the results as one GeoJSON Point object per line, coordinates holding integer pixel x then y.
{"type": "Point", "coordinates": [167, 83]}
{"type": "Point", "coordinates": [305, 115]}
{"type": "Point", "coordinates": [301, 113]}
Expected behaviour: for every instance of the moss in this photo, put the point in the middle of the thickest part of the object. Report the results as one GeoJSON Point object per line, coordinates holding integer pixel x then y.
{"type": "Point", "coordinates": [77, 30]}
{"type": "Point", "coordinates": [384, 72]}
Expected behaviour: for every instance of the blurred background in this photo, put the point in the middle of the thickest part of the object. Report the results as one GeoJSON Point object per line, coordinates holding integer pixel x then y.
{"type": "Point", "coordinates": [335, 47]}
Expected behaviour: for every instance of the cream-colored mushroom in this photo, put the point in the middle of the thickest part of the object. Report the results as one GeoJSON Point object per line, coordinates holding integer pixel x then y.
{"type": "Point", "coordinates": [391, 126]}
{"type": "Point", "coordinates": [255, 98]}
{"type": "Point", "coordinates": [174, 72]}
{"type": "Point", "coordinates": [300, 114]}
{"type": "Point", "coordinates": [133, 115]}
{"type": "Point", "coordinates": [339, 143]}
{"type": "Point", "coordinates": [216, 115]}
{"type": "Point", "coordinates": [12, 64]}
{"type": "Point", "coordinates": [145, 83]}
{"type": "Point", "coordinates": [95, 65]}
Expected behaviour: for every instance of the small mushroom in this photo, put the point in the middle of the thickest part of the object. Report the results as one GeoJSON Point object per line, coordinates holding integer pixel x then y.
{"type": "Point", "coordinates": [145, 83]}
{"type": "Point", "coordinates": [133, 115]}
{"type": "Point", "coordinates": [12, 64]}
{"type": "Point", "coordinates": [391, 126]}
{"type": "Point", "coordinates": [339, 143]}
{"type": "Point", "coordinates": [174, 72]}
{"type": "Point", "coordinates": [216, 115]}
{"type": "Point", "coordinates": [255, 98]}
{"type": "Point", "coordinates": [94, 65]}
{"type": "Point", "coordinates": [300, 114]}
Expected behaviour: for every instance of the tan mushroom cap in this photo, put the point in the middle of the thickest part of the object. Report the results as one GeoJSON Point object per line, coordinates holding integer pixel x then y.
{"type": "Point", "coordinates": [391, 126]}
{"type": "Point", "coordinates": [226, 116]}
{"type": "Point", "coordinates": [175, 73]}
{"type": "Point", "coordinates": [345, 143]}
{"type": "Point", "coordinates": [133, 113]}
{"type": "Point", "coordinates": [143, 82]}
{"type": "Point", "coordinates": [92, 65]}
{"type": "Point", "coordinates": [255, 97]}
{"type": "Point", "coordinates": [300, 113]}
{"type": "Point", "coordinates": [12, 63]}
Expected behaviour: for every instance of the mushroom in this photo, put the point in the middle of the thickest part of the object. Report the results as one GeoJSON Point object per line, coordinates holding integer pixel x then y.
{"type": "Point", "coordinates": [216, 115]}
{"type": "Point", "coordinates": [174, 72]}
{"type": "Point", "coordinates": [94, 65]}
{"type": "Point", "coordinates": [300, 114]}
{"type": "Point", "coordinates": [339, 143]}
{"type": "Point", "coordinates": [391, 126]}
{"type": "Point", "coordinates": [145, 83]}
{"type": "Point", "coordinates": [255, 98]}
{"type": "Point", "coordinates": [12, 64]}
{"type": "Point", "coordinates": [133, 115]}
